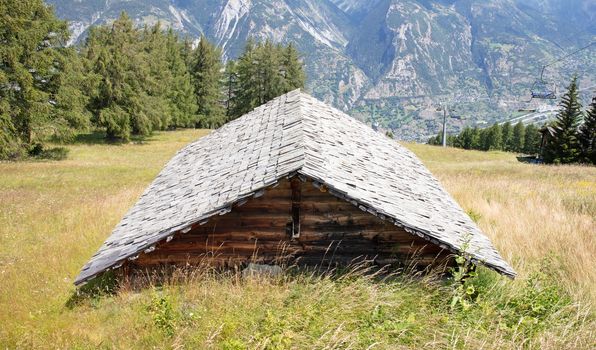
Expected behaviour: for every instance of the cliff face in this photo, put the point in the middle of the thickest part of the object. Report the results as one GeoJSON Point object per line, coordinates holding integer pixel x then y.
{"type": "Point", "coordinates": [401, 56]}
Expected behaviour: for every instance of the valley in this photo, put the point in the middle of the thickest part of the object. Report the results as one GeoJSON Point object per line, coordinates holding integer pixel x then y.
{"type": "Point", "coordinates": [402, 57]}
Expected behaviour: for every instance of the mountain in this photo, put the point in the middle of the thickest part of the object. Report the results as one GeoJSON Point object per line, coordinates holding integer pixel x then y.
{"type": "Point", "coordinates": [391, 61]}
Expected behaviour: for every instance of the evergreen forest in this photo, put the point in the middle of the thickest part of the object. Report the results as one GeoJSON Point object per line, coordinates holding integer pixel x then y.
{"type": "Point", "coordinates": [123, 80]}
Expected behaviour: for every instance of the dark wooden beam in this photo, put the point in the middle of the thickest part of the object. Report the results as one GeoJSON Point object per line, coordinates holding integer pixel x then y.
{"type": "Point", "coordinates": [296, 198]}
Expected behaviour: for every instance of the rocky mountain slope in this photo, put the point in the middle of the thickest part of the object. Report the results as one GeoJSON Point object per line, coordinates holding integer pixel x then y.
{"type": "Point", "coordinates": [392, 60]}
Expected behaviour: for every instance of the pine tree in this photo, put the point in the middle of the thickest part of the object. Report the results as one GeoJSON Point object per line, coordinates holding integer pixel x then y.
{"type": "Point", "coordinates": [265, 71]}
{"type": "Point", "coordinates": [181, 95]}
{"type": "Point", "coordinates": [159, 81]}
{"type": "Point", "coordinates": [465, 139]}
{"type": "Point", "coordinates": [30, 77]}
{"type": "Point", "coordinates": [507, 136]}
{"type": "Point", "coordinates": [517, 139]}
{"type": "Point", "coordinates": [231, 88]}
{"type": "Point", "coordinates": [270, 69]}
{"type": "Point", "coordinates": [564, 147]}
{"type": "Point", "coordinates": [206, 74]}
{"type": "Point", "coordinates": [587, 134]}
{"type": "Point", "coordinates": [475, 144]}
{"type": "Point", "coordinates": [294, 76]}
{"type": "Point", "coordinates": [142, 79]}
{"type": "Point", "coordinates": [70, 98]}
{"type": "Point", "coordinates": [483, 144]}
{"type": "Point", "coordinates": [494, 138]}
{"type": "Point", "coordinates": [248, 93]}
{"type": "Point", "coordinates": [532, 140]}
{"type": "Point", "coordinates": [186, 52]}
{"type": "Point", "coordinates": [120, 103]}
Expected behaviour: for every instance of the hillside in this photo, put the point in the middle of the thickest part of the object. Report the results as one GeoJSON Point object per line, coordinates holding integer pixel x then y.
{"type": "Point", "coordinates": [55, 214]}
{"type": "Point", "coordinates": [402, 57]}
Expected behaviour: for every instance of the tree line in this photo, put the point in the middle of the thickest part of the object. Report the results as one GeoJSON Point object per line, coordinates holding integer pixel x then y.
{"type": "Point", "coordinates": [123, 79]}
{"type": "Point", "coordinates": [499, 137]}
{"type": "Point", "coordinates": [570, 138]}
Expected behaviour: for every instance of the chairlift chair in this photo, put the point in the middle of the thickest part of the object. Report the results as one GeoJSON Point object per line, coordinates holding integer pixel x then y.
{"type": "Point", "coordinates": [541, 90]}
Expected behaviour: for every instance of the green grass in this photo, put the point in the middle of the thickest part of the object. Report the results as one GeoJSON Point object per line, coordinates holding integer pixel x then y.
{"type": "Point", "coordinates": [54, 215]}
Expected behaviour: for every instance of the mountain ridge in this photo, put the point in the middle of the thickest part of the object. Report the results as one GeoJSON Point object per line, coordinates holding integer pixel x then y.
{"type": "Point", "coordinates": [403, 56]}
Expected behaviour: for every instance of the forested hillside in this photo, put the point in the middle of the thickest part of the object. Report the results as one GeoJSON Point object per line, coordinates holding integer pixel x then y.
{"type": "Point", "coordinates": [402, 57]}
{"type": "Point", "coordinates": [124, 80]}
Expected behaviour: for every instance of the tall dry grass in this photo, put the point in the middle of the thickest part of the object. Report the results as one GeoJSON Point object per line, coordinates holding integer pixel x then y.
{"type": "Point", "coordinates": [54, 215]}
{"type": "Point", "coordinates": [529, 211]}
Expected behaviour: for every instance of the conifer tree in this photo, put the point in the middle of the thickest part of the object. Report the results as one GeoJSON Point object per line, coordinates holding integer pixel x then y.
{"type": "Point", "coordinates": [270, 71]}
{"type": "Point", "coordinates": [206, 74]}
{"type": "Point", "coordinates": [517, 138]}
{"type": "Point", "coordinates": [181, 95]}
{"type": "Point", "coordinates": [265, 71]}
{"type": "Point", "coordinates": [231, 88]}
{"type": "Point", "coordinates": [142, 79]}
{"type": "Point", "coordinates": [247, 96]}
{"type": "Point", "coordinates": [294, 76]}
{"type": "Point", "coordinates": [30, 67]}
{"type": "Point", "coordinates": [120, 103]}
{"type": "Point", "coordinates": [159, 80]}
{"type": "Point", "coordinates": [482, 139]}
{"type": "Point", "coordinates": [475, 144]}
{"type": "Point", "coordinates": [564, 147]}
{"type": "Point", "coordinates": [587, 135]}
{"type": "Point", "coordinates": [507, 136]}
{"type": "Point", "coordinates": [186, 52]}
{"type": "Point", "coordinates": [494, 138]}
{"type": "Point", "coordinates": [465, 139]}
{"type": "Point", "coordinates": [532, 139]}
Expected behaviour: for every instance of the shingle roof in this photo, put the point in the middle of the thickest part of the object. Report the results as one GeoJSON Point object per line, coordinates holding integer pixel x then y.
{"type": "Point", "coordinates": [293, 134]}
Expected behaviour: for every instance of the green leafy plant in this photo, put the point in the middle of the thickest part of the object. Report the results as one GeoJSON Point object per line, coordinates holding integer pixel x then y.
{"type": "Point", "coordinates": [540, 298]}
{"type": "Point", "coordinates": [463, 292]}
{"type": "Point", "coordinates": [163, 314]}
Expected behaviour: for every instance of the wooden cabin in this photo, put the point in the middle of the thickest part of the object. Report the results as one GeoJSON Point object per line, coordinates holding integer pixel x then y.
{"type": "Point", "coordinates": [295, 221]}
{"type": "Point", "coordinates": [296, 181]}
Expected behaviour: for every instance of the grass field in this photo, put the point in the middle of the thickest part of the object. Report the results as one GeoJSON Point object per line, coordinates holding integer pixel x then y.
{"type": "Point", "coordinates": [54, 215]}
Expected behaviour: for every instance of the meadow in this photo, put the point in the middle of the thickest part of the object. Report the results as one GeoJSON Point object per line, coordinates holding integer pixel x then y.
{"type": "Point", "coordinates": [55, 214]}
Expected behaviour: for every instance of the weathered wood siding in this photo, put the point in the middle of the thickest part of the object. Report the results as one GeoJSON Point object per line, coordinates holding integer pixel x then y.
{"type": "Point", "coordinates": [330, 231]}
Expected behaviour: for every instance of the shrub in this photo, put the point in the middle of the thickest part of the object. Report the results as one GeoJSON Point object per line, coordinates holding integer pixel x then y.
{"type": "Point", "coordinates": [163, 314]}
{"type": "Point", "coordinates": [56, 153]}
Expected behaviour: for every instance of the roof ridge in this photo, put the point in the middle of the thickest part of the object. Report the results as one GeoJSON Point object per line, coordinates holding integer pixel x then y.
{"type": "Point", "coordinates": [293, 124]}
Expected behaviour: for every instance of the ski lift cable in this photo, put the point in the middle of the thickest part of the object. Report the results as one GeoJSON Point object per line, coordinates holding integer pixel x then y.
{"type": "Point", "coordinates": [540, 89]}
{"type": "Point", "coordinates": [564, 57]}
{"type": "Point", "coordinates": [586, 88]}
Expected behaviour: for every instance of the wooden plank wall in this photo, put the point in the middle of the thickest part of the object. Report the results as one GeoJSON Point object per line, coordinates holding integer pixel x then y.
{"type": "Point", "coordinates": [330, 231]}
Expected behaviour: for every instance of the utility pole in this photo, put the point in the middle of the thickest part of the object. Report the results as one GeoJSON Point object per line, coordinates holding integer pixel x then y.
{"type": "Point", "coordinates": [444, 126]}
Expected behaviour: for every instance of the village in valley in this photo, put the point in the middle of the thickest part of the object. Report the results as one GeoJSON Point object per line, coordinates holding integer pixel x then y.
{"type": "Point", "coordinates": [333, 174]}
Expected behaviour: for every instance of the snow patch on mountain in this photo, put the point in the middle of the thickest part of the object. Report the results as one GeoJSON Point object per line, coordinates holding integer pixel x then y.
{"type": "Point", "coordinates": [228, 20]}
{"type": "Point", "coordinates": [354, 7]}
{"type": "Point", "coordinates": [350, 5]}
{"type": "Point", "coordinates": [319, 27]}
{"type": "Point", "coordinates": [179, 16]}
